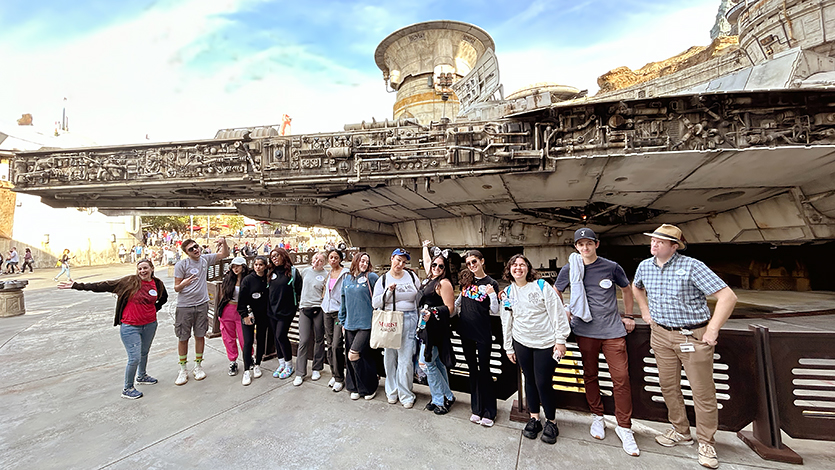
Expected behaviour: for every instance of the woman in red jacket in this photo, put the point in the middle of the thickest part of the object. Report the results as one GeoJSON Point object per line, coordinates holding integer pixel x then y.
{"type": "Point", "coordinates": [139, 298]}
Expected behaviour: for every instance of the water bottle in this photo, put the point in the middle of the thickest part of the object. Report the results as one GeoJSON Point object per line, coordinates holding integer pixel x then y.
{"type": "Point", "coordinates": [422, 322]}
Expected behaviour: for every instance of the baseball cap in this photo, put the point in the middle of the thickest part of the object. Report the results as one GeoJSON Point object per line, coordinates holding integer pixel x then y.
{"type": "Point", "coordinates": [582, 233]}
{"type": "Point", "coordinates": [401, 252]}
{"type": "Point", "coordinates": [239, 260]}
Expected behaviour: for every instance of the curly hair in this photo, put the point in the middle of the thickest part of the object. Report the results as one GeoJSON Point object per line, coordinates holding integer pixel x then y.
{"type": "Point", "coordinates": [466, 278]}
{"type": "Point", "coordinates": [532, 274]}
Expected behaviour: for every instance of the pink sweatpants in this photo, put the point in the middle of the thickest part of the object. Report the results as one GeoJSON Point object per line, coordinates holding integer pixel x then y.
{"type": "Point", "coordinates": [230, 329]}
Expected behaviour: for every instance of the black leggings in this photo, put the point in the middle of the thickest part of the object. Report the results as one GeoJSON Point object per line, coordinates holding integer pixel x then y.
{"type": "Point", "coordinates": [253, 333]}
{"type": "Point", "coordinates": [538, 367]}
{"type": "Point", "coordinates": [281, 326]}
{"type": "Point", "coordinates": [482, 395]}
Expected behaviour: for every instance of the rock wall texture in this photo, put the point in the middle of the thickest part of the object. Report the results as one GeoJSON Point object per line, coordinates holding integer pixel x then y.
{"type": "Point", "coordinates": [623, 77]}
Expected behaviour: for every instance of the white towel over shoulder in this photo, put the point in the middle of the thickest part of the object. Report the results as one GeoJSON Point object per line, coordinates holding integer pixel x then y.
{"type": "Point", "coordinates": [579, 304]}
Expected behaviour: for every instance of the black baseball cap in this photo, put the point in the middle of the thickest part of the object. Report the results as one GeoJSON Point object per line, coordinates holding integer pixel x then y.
{"type": "Point", "coordinates": [582, 233]}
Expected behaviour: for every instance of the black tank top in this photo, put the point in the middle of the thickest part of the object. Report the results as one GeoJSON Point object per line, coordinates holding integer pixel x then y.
{"type": "Point", "coordinates": [429, 296]}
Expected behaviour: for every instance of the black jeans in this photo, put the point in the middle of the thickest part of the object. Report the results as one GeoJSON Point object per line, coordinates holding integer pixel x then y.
{"type": "Point", "coordinates": [361, 376]}
{"type": "Point", "coordinates": [257, 334]}
{"type": "Point", "coordinates": [281, 325]}
{"type": "Point", "coordinates": [336, 346]}
{"type": "Point", "coordinates": [482, 395]}
{"type": "Point", "coordinates": [538, 366]}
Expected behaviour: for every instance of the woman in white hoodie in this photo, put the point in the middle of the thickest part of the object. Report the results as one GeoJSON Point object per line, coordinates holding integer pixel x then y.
{"type": "Point", "coordinates": [535, 327]}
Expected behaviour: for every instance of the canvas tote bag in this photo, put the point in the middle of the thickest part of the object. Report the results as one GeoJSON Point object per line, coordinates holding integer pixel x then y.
{"type": "Point", "coordinates": [386, 325]}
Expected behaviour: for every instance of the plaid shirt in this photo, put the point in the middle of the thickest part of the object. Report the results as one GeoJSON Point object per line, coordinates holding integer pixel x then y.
{"type": "Point", "coordinates": [676, 291]}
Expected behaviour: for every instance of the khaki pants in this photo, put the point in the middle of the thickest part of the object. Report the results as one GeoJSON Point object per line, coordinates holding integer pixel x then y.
{"type": "Point", "coordinates": [698, 366]}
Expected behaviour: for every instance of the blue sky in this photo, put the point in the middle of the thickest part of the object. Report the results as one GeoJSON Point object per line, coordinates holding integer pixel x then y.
{"type": "Point", "coordinates": [183, 69]}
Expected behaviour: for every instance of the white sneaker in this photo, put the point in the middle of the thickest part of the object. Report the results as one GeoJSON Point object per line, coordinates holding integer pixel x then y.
{"type": "Point", "coordinates": [598, 427]}
{"type": "Point", "coordinates": [199, 373]}
{"type": "Point", "coordinates": [629, 445]}
{"type": "Point", "coordinates": [247, 378]}
{"type": "Point", "coordinates": [256, 371]}
{"type": "Point", "coordinates": [331, 382]}
{"type": "Point", "coordinates": [338, 386]}
{"type": "Point", "coordinates": [182, 377]}
{"type": "Point", "coordinates": [355, 396]}
{"type": "Point", "coordinates": [316, 375]}
{"type": "Point", "coordinates": [298, 380]}
{"type": "Point", "coordinates": [371, 397]}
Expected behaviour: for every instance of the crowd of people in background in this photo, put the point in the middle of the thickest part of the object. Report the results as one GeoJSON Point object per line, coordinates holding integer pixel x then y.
{"type": "Point", "coordinates": [335, 307]}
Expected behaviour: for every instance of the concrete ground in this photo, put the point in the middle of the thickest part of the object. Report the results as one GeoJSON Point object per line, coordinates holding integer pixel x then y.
{"type": "Point", "coordinates": [62, 373]}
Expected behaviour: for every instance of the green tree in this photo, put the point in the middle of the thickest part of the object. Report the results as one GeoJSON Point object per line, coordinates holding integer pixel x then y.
{"type": "Point", "coordinates": [165, 222]}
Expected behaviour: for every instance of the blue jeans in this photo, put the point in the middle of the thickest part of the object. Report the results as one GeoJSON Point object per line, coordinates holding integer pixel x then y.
{"type": "Point", "coordinates": [436, 375]}
{"type": "Point", "coordinates": [65, 268]}
{"type": "Point", "coordinates": [400, 367]}
{"type": "Point", "coordinates": [137, 341]}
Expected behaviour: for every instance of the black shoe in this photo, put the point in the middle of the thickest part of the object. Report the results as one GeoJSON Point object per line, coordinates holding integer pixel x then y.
{"type": "Point", "coordinates": [233, 369]}
{"type": "Point", "coordinates": [430, 406]}
{"type": "Point", "coordinates": [448, 403]}
{"type": "Point", "coordinates": [532, 429]}
{"type": "Point", "coordinates": [441, 410]}
{"type": "Point", "coordinates": [549, 435]}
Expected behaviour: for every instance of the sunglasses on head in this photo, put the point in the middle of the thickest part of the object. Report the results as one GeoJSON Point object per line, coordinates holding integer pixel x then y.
{"type": "Point", "coordinates": [437, 265]}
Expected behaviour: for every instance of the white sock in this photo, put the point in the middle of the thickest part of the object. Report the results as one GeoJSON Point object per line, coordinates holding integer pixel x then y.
{"type": "Point", "coordinates": [281, 363]}
{"type": "Point", "coordinates": [290, 363]}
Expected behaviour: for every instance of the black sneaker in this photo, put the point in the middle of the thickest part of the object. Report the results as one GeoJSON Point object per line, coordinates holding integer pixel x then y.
{"type": "Point", "coordinates": [549, 435]}
{"type": "Point", "coordinates": [441, 410]}
{"type": "Point", "coordinates": [430, 406]}
{"type": "Point", "coordinates": [448, 403]}
{"type": "Point", "coordinates": [532, 429]}
{"type": "Point", "coordinates": [233, 369]}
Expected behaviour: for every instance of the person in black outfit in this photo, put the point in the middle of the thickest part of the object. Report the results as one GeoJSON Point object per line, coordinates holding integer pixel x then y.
{"type": "Point", "coordinates": [285, 291]}
{"type": "Point", "coordinates": [478, 300]}
{"type": "Point", "coordinates": [253, 307]}
{"type": "Point", "coordinates": [437, 302]}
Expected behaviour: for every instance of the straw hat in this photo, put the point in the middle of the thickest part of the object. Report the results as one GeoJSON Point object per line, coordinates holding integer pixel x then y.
{"type": "Point", "coordinates": [669, 232]}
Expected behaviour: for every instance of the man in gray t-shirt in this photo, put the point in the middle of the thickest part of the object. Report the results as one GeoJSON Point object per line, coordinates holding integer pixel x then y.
{"type": "Point", "coordinates": [191, 285]}
{"type": "Point", "coordinates": [605, 331]}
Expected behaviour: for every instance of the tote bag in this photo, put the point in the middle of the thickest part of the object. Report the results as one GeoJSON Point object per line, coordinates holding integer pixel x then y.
{"type": "Point", "coordinates": [386, 326]}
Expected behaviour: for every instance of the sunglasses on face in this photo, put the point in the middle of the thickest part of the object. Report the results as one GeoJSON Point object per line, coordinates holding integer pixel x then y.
{"type": "Point", "coordinates": [437, 265]}
{"type": "Point", "coordinates": [193, 248]}
{"type": "Point", "coordinates": [472, 262]}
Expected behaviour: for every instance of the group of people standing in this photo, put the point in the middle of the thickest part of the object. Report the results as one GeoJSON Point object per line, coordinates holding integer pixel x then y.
{"type": "Point", "coordinates": [336, 306]}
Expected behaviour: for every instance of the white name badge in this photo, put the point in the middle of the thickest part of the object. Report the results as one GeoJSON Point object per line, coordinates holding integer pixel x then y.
{"type": "Point", "coordinates": [687, 347]}
{"type": "Point", "coordinates": [274, 275]}
{"type": "Point", "coordinates": [194, 271]}
{"type": "Point", "coordinates": [362, 280]}
{"type": "Point", "coordinates": [681, 272]}
{"type": "Point", "coordinates": [256, 295]}
{"type": "Point", "coordinates": [606, 283]}
{"type": "Point", "coordinates": [320, 278]}
{"type": "Point", "coordinates": [153, 292]}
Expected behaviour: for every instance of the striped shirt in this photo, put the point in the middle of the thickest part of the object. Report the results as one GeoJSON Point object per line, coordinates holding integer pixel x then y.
{"type": "Point", "coordinates": [676, 291]}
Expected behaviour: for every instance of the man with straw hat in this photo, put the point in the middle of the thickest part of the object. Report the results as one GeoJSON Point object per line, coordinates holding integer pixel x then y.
{"type": "Point", "coordinates": [670, 289]}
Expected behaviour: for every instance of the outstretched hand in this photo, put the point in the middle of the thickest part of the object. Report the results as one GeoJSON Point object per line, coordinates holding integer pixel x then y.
{"type": "Point", "coordinates": [66, 285]}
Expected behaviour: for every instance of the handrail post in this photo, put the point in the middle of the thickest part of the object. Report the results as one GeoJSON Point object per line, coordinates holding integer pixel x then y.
{"type": "Point", "coordinates": [765, 439]}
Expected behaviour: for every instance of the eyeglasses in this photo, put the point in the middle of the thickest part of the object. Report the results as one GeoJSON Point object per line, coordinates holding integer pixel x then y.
{"type": "Point", "coordinates": [472, 262]}
{"type": "Point", "coordinates": [193, 248]}
{"type": "Point", "coordinates": [437, 265]}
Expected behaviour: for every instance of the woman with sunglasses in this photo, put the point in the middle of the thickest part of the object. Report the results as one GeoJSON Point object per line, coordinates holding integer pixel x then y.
{"type": "Point", "coordinates": [253, 307]}
{"type": "Point", "coordinates": [478, 300]}
{"type": "Point", "coordinates": [331, 304]}
{"type": "Point", "coordinates": [437, 300]}
{"type": "Point", "coordinates": [535, 327]}
{"type": "Point", "coordinates": [285, 289]}
{"type": "Point", "coordinates": [230, 322]}
{"type": "Point", "coordinates": [138, 299]}
{"type": "Point", "coordinates": [355, 315]}
{"type": "Point", "coordinates": [397, 290]}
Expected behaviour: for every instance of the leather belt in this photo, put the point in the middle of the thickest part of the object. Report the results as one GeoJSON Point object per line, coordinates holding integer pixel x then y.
{"type": "Point", "coordinates": [679, 328]}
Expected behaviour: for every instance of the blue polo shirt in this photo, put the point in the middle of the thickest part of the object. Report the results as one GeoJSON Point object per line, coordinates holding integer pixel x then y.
{"type": "Point", "coordinates": [676, 291]}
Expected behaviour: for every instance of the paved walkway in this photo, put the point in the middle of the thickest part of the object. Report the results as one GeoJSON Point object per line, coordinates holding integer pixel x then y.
{"type": "Point", "coordinates": [63, 365]}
